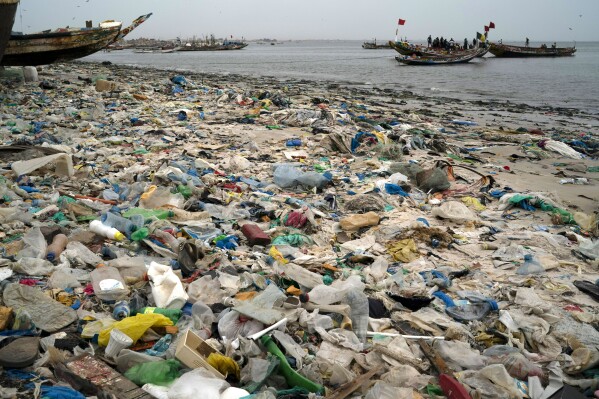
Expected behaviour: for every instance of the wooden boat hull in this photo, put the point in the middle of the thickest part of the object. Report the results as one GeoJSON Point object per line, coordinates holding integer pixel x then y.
{"type": "Point", "coordinates": [48, 48]}
{"type": "Point", "coordinates": [506, 51]}
{"type": "Point", "coordinates": [437, 60]}
{"type": "Point", "coordinates": [8, 9]}
{"type": "Point", "coordinates": [219, 47]}
{"type": "Point", "coordinates": [421, 51]}
{"type": "Point", "coordinates": [374, 46]}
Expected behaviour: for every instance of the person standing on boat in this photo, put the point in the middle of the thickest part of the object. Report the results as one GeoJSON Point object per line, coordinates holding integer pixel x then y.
{"type": "Point", "coordinates": [465, 44]}
{"type": "Point", "coordinates": [429, 41]}
{"type": "Point", "coordinates": [527, 41]}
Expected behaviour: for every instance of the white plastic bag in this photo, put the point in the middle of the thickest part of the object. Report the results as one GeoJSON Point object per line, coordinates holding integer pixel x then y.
{"type": "Point", "coordinates": [197, 383]}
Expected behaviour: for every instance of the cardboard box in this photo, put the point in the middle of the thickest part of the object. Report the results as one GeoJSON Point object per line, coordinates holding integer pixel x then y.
{"type": "Point", "coordinates": [193, 351]}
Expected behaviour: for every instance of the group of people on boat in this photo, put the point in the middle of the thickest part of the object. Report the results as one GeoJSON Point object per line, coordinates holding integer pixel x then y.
{"type": "Point", "coordinates": [543, 46]}
{"type": "Point", "coordinates": [449, 45]}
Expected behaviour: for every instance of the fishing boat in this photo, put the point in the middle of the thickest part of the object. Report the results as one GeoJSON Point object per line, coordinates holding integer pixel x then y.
{"type": "Point", "coordinates": [212, 44]}
{"type": "Point", "coordinates": [505, 50]}
{"type": "Point", "coordinates": [375, 46]}
{"type": "Point", "coordinates": [64, 44]}
{"type": "Point", "coordinates": [212, 47]}
{"type": "Point", "coordinates": [405, 48]}
{"type": "Point", "coordinates": [447, 60]}
{"type": "Point", "coordinates": [8, 9]}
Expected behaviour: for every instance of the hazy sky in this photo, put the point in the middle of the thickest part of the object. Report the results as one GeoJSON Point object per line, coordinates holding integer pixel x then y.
{"type": "Point", "coordinates": [540, 20]}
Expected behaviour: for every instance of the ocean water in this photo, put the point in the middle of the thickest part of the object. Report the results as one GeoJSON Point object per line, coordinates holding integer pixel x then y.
{"type": "Point", "coordinates": [571, 82]}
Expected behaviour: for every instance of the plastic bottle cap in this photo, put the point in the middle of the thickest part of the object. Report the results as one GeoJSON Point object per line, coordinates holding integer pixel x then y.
{"type": "Point", "coordinates": [119, 236]}
{"type": "Point", "coordinates": [304, 298]}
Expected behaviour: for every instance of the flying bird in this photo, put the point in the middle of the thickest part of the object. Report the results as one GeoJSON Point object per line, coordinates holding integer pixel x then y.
{"type": "Point", "coordinates": [570, 28]}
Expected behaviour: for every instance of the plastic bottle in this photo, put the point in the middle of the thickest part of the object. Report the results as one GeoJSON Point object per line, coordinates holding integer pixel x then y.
{"type": "Point", "coordinates": [138, 221]}
{"type": "Point", "coordinates": [121, 310]}
{"type": "Point", "coordinates": [358, 302]}
{"type": "Point", "coordinates": [471, 311]}
{"type": "Point", "coordinates": [531, 265]}
{"type": "Point", "coordinates": [327, 295]}
{"type": "Point", "coordinates": [149, 213]}
{"type": "Point", "coordinates": [140, 234]}
{"type": "Point", "coordinates": [59, 243]}
{"type": "Point", "coordinates": [171, 241]}
{"type": "Point", "coordinates": [108, 284]}
{"type": "Point", "coordinates": [323, 295]}
{"type": "Point", "coordinates": [109, 232]}
{"type": "Point", "coordinates": [137, 302]}
{"type": "Point", "coordinates": [123, 225]}
{"type": "Point", "coordinates": [302, 276]}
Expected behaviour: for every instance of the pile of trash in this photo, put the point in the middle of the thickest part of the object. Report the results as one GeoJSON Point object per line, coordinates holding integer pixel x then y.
{"type": "Point", "coordinates": [172, 238]}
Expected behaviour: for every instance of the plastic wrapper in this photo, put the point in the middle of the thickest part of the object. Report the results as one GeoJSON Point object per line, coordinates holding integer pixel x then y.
{"type": "Point", "coordinates": [135, 326]}
{"type": "Point", "coordinates": [234, 324]}
{"type": "Point", "coordinates": [158, 373]}
{"type": "Point", "coordinates": [454, 211]}
{"type": "Point", "coordinates": [197, 383]}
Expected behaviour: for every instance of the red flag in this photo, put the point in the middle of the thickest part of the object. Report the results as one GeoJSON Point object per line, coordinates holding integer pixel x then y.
{"type": "Point", "coordinates": [401, 22]}
{"type": "Point", "coordinates": [486, 28]}
{"type": "Point", "coordinates": [492, 25]}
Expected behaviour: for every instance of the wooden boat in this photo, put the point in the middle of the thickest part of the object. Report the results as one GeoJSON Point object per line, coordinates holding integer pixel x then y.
{"type": "Point", "coordinates": [8, 9]}
{"type": "Point", "coordinates": [405, 48]}
{"type": "Point", "coordinates": [505, 50]}
{"type": "Point", "coordinates": [374, 46]}
{"type": "Point", "coordinates": [212, 47]}
{"type": "Point", "coordinates": [64, 44]}
{"type": "Point", "coordinates": [448, 60]}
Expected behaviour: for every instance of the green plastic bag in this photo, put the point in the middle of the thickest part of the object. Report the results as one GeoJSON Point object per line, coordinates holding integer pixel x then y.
{"type": "Point", "coordinates": [158, 373]}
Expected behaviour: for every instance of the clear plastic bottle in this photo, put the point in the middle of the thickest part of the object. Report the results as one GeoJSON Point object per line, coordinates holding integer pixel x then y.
{"type": "Point", "coordinates": [171, 241]}
{"type": "Point", "coordinates": [123, 225]}
{"type": "Point", "coordinates": [471, 311]}
{"type": "Point", "coordinates": [358, 302]}
{"type": "Point", "coordinates": [108, 284]}
{"type": "Point", "coordinates": [531, 265]}
{"type": "Point", "coordinates": [149, 213]}
{"type": "Point", "coordinates": [302, 276]}
{"type": "Point", "coordinates": [329, 294]}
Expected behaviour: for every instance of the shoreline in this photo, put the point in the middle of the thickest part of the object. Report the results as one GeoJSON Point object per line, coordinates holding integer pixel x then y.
{"type": "Point", "coordinates": [513, 106]}
{"type": "Point", "coordinates": [510, 106]}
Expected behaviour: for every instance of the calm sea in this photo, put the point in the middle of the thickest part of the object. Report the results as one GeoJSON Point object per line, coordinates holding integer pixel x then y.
{"type": "Point", "coordinates": [571, 82]}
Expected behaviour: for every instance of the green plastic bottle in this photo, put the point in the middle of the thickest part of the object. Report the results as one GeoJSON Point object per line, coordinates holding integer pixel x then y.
{"type": "Point", "coordinates": [184, 190]}
{"type": "Point", "coordinates": [149, 213]}
{"type": "Point", "coordinates": [140, 234]}
{"type": "Point", "coordinates": [173, 314]}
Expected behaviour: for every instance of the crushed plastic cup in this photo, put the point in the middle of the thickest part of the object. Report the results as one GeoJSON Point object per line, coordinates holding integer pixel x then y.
{"type": "Point", "coordinates": [117, 342]}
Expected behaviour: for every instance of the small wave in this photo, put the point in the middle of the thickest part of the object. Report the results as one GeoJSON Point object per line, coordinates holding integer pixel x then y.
{"type": "Point", "coordinates": [437, 89]}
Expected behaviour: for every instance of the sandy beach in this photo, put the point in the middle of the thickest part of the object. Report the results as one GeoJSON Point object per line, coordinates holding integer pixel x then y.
{"type": "Point", "coordinates": [341, 181]}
